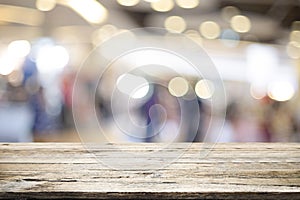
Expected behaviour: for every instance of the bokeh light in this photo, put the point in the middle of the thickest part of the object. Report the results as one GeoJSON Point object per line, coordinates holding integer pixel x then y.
{"type": "Point", "coordinates": [52, 58]}
{"type": "Point", "coordinates": [178, 87]}
{"type": "Point", "coordinates": [210, 30]}
{"type": "Point", "coordinates": [134, 86]}
{"type": "Point", "coordinates": [281, 91]}
{"type": "Point", "coordinates": [187, 4]}
{"type": "Point", "coordinates": [204, 89]}
{"type": "Point", "coordinates": [128, 2]}
{"type": "Point", "coordinates": [8, 62]}
{"type": "Point", "coordinates": [228, 12]}
{"type": "Point", "coordinates": [45, 5]}
{"type": "Point", "coordinates": [175, 24]}
{"type": "Point", "coordinates": [240, 23]}
{"type": "Point", "coordinates": [162, 5]}
{"type": "Point", "coordinates": [19, 48]}
{"type": "Point", "coordinates": [92, 11]}
{"type": "Point", "coordinates": [257, 92]}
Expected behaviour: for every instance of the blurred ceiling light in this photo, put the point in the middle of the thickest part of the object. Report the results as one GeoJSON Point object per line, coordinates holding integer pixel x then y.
{"type": "Point", "coordinates": [134, 86]}
{"type": "Point", "coordinates": [195, 36]}
{"type": "Point", "coordinates": [91, 10]}
{"type": "Point", "coordinates": [204, 89]}
{"type": "Point", "coordinates": [188, 4]}
{"type": "Point", "coordinates": [175, 24]}
{"type": "Point", "coordinates": [8, 63]}
{"type": "Point", "coordinates": [128, 2]}
{"type": "Point", "coordinates": [45, 5]}
{"type": "Point", "coordinates": [210, 30]}
{"type": "Point", "coordinates": [295, 36]}
{"type": "Point", "coordinates": [257, 92]}
{"type": "Point", "coordinates": [281, 91]}
{"type": "Point", "coordinates": [230, 38]}
{"type": "Point", "coordinates": [162, 5]}
{"type": "Point", "coordinates": [262, 62]}
{"type": "Point", "coordinates": [240, 23]}
{"type": "Point", "coordinates": [228, 12]}
{"type": "Point", "coordinates": [19, 48]}
{"type": "Point", "coordinates": [51, 58]}
{"type": "Point", "coordinates": [103, 33]}
{"type": "Point", "coordinates": [293, 50]}
{"type": "Point", "coordinates": [178, 87]}
{"type": "Point", "coordinates": [13, 57]}
{"type": "Point", "coordinates": [21, 15]}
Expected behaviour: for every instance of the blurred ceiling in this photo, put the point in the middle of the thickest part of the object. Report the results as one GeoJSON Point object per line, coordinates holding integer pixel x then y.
{"type": "Point", "coordinates": [271, 19]}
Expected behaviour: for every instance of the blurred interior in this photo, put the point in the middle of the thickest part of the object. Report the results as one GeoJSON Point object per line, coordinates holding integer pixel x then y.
{"type": "Point", "coordinates": [255, 46]}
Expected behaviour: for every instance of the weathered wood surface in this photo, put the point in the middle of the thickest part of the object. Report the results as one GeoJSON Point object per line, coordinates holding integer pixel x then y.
{"type": "Point", "coordinates": [229, 171]}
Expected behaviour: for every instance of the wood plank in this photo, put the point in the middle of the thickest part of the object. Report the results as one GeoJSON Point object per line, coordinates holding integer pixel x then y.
{"type": "Point", "coordinates": [223, 171]}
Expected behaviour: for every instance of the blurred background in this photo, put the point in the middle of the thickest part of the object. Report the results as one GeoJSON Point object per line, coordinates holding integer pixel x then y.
{"type": "Point", "coordinates": [254, 44]}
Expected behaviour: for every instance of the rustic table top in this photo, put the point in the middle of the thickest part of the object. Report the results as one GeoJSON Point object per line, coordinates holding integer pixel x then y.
{"type": "Point", "coordinates": [226, 171]}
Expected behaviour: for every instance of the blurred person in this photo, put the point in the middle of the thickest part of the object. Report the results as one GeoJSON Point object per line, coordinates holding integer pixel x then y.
{"type": "Point", "coordinates": [277, 120]}
{"type": "Point", "coordinates": [170, 130]}
{"type": "Point", "coordinates": [162, 116]}
{"type": "Point", "coordinates": [245, 127]}
{"type": "Point", "coordinates": [296, 125]}
{"type": "Point", "coordinates": [150, 117]}
{"type": "Point", "coordinates": [280, 121]}
{"type": "Point", "coordinates": [68, 79]}
{"type": "Point", "coordinates": [43, 121]}
{"type": "Point", "coordinates": [194, 118]}
{"type": "Point", "coordinates": [16, 117]}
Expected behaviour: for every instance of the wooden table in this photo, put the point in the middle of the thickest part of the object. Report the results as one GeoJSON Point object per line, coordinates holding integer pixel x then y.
{"type": "Point", "coordinates": [229, 171]}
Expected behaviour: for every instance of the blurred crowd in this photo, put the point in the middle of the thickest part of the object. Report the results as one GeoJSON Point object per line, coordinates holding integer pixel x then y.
{"type": "Point", "coordinates": [30, 108]}
{"type": "Point", "coordinates": [47, 64]}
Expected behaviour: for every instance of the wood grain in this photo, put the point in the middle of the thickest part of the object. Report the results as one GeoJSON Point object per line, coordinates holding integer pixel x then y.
{"type": "Point", "coordinates": [228, 171]}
